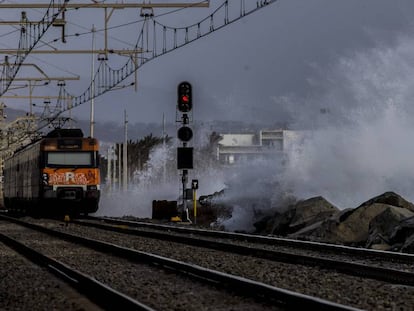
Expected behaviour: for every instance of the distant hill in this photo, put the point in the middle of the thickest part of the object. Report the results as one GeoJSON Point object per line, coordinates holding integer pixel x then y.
{"type": "Point", "coordinates": [114, 132]}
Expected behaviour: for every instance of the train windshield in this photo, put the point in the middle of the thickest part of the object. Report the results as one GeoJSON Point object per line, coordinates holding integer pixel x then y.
{"type": "Point", "coordinates": [66, 159]}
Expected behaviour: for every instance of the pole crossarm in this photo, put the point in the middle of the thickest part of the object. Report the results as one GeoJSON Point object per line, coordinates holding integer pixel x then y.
{"type": "Point", "coordinates": [45, 76]}
{"type": "Point", "coordinates": [103, 5]}
{"type": "Point", "coordinates": [32, 97]}
{"type": "Point", "coordinates": [57, 22]}
{"type": "Point", "coordinates": [67, 51]}
{"type": "Point", "coordinates": [43, 79]}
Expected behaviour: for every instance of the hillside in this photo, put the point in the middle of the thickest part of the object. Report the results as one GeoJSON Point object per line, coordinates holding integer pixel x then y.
{"type": "Point", "coordinates": [114, 132]}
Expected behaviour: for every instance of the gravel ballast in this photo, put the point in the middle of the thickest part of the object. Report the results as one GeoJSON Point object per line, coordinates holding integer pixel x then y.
{"type": "Point", "coordinates": [327, 284]}
{"type": "Point", "coordinates": [25, 286]}
{"type": "Point", "coordinates": [161, 290]}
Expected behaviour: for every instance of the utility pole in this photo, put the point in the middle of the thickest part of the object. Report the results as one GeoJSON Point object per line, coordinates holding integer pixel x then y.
{"type": "Point", "coordinates": [119, 165]}
{"type": "Point", "coordinates": [114, 165]}
{"type": "Point", "coordinates": [108, 172]}
{"type": "Point", "coordinates": [125, 154]}
{"type": "Point", "coordinates": [91, 133]}
{"type": "Point", "coordinates": [164, 172]}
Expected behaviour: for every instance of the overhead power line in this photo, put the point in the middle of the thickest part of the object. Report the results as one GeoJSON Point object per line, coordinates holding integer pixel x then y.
{"type": "Point", "coordinates": [156, 39]}
{"type": "Point", "coordinates": [30, 34]}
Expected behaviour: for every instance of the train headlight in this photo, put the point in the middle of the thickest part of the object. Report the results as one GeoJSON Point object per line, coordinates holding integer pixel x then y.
{"type": "Point", "coordinates": [45, 178]}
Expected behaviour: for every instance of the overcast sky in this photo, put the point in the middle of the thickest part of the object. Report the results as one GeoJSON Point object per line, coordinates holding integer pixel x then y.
{"type": "Point", "coordinates": [266, 67]}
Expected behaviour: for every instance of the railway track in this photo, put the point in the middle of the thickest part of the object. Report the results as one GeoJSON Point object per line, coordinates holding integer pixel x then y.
{"type": "Point", "coordinates": [240, 293]}
{"type": "Point", "coordinates": [377, 265]}
{"type": "Point", "coordinates": [281, 243]}
{"type": "Point", "coordinates": [34, 281]}
{"type": "Point", "coordinates": [387, 294]}
{"type": "Point", "coordinates": [94, 290]}
{"type": "Point", "coordinates": [315, 281]}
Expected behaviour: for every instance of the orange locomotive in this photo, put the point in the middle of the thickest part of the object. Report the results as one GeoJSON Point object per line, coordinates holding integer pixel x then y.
{"type": "Point", "coordinates": [58, 173]}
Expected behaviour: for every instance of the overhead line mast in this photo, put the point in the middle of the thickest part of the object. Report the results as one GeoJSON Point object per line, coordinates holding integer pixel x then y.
{"type": "Point", "coordinates": [61, 22]}
{"type": "Point", "coordinates": [155, 38]}
{"type": "Point", "coordinates": [30, 35]}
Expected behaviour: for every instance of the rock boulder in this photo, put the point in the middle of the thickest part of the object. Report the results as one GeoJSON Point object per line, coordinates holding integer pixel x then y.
{"type": "Point", "coordinates": [382, 226]}
{"type": "Point", "coordinates": [297, 216]}
{"type": "Point", "coordinates": [375, 224]}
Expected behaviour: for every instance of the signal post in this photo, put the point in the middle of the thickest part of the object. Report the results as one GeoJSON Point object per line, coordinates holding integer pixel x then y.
{"type": "Point", "coordinates": [184, 134]}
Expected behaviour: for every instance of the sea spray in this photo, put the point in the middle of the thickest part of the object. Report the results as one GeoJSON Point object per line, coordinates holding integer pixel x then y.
{"type": "Point", "coordinates": [362, 145]}
{"type": "Point", "coordinates": [356, 143]}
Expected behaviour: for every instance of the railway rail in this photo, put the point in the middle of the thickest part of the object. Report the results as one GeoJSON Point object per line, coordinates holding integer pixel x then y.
{"type": "Point", "coordinates": [378, 265]}
{"type": "Point", "coordinates": [253, 294]}
{"type": "Point", "coordinates": [260, 239]}
{"type": "Point", "coordinates": [36, 289]}
{"type": "Point", "coordinates": [92, 289]}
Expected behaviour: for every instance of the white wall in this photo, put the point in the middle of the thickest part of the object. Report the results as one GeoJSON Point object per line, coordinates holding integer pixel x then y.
{"type": "Point", "coordinates": [237, 139]}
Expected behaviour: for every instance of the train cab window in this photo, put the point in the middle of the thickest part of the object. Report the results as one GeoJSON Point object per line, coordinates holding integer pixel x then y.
{"type": "Point", "coordinates": [65, 159]}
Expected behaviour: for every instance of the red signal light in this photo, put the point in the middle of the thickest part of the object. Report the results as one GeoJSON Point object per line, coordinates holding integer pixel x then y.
{"type": "Point", "coordinates": [185, 102]}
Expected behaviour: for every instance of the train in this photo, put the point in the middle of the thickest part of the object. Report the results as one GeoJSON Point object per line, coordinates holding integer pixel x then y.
{"type": "Point", "coordinates": [58, 173]}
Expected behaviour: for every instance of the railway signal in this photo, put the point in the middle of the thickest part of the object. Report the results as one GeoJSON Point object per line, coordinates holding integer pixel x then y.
{"type": "Point", "coordinates": [184, 134]}
{"type": "Point", "coordinates": [184, 105]}
{"type": "Point", "coordinates": [185, 100]}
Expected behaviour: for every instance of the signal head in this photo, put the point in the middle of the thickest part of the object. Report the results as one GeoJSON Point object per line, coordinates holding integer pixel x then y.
{"type": "Point", "coordinates": [185, 101]}
{"type": "Point", "coordinates": [185, 133]}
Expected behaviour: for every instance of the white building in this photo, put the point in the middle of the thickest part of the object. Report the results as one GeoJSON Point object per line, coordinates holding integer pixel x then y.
{"type": "Point", "coordinates": [235, 147]}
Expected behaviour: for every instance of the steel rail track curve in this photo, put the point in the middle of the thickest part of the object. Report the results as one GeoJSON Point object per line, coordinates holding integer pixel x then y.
{"type": "Point", "coordinates": [242, 286]}
{"type": "Point", "coordinates": [350, 268]}
{"type": "Point", "coordinates": [270, 240]}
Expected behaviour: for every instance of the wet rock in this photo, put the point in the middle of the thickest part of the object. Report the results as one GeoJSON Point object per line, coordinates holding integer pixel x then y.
{"type": "Point", "coordinates": [371, 225]}
{"type": "Point", "coordinates": [278, 224]}
{"type": "Point", "coordinates": [408, 246]}
{"type": "Point", "coordinates": [382, 226]}
{"type": "Point", "coordinates": [311, 211]}
{"type": "Point", "coordinates": [390, 198]}
{"type": "Point", "coordinates": [354, 229]}
{"type": "Point", "coordinates": [323, 231]}
{"type": "Point", "coordinates": [357, 226]}
{"type": "Point", "coordinates": [385, 222]}
{"type": "Point", "coordinates": [403, 231]}
{"type": "Point", "coordinates": [351, 229]}
{"type": "Point", "coordinates": [297, 216]}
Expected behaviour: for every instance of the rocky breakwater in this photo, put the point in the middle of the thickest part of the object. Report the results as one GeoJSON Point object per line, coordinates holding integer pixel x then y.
{"type": "Point", "coordinates": [384, 222]}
